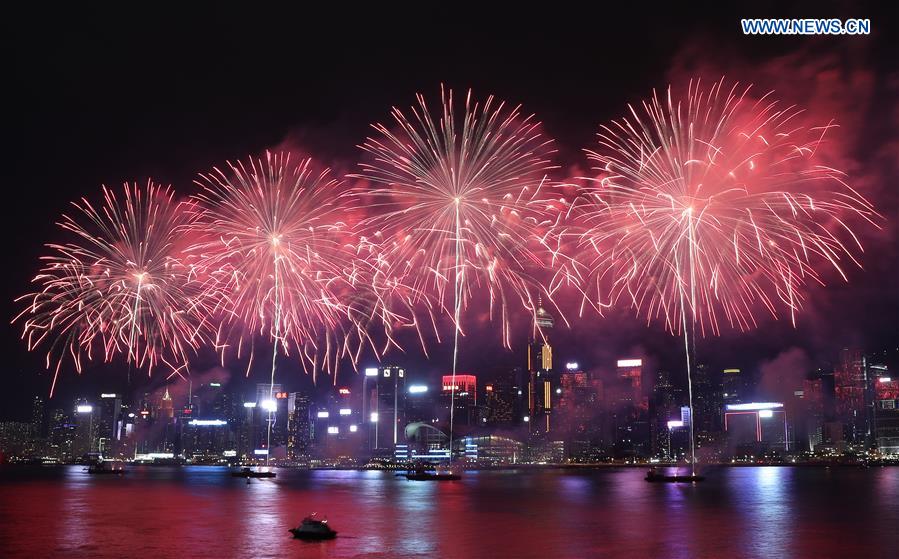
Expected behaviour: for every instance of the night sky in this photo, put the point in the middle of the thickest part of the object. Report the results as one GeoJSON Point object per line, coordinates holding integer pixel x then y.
{"type": "Point", "coordinates": [98, 97]}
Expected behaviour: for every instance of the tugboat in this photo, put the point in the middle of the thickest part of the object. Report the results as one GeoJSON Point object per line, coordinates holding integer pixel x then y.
{"type": "Point", "coordinates": [420, 474]}
{"type": "Point", "coordinates": [250, 473]}
{"type": "Point", "coordinates": [106, 467]}
{"type": "Point", "coordinates": [312, 528]}
{"type": "Point", "coordinates": [654, 476]}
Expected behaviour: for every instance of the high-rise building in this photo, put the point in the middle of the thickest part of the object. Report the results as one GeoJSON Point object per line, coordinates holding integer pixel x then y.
{"type": "Point", "coordinates": [849, 389]}
{"type": "Point", "coordinates": [85, 440]}
{"type": "Point", "coordinates": [541, 382]}
{"type": "Point", "coordinates": [386, 408]}
{"type": "Point", "coordinates": [756, 427]}
{"type": "Point", "coordinates": [733, 386]}
{"type": "Point", "coordinates": [299, 427]}
{"type": "Point", "coordinates": [886, 415]}
{"type": "Point", "coordinates": [108, 419]}
{"type": "Point", "coordinates": [37, 417]}
{"type": "Point", "coordinates": [463, 396]}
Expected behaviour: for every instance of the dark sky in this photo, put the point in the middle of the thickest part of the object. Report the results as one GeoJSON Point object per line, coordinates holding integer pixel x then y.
{"type": "Point", "coordinates": [97, 96]}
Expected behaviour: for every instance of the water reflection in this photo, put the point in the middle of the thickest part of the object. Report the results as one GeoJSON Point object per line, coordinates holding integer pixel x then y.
{"type": "Point", "coordinates": [164, 512]}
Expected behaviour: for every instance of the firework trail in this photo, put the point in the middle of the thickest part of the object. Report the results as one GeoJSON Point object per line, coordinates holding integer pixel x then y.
{"type": "Point", "coordinates": [119, 286]}
{"type": "Point", "coordinates": [458, 204]}
{"type": "Point", "coordinates": [278, 258]}
{"type": "Point", "coordinates": [711, 207]}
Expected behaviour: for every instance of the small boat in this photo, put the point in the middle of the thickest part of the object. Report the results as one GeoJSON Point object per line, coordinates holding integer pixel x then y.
{"type": "Point", "coordinates": [655, 476]}
{"type": "Point", "coordinates": [420, 474]}
{"type": "Point", "coordinates": [312, 528]}
{"type": "Point", "coordinates": [249, 473]}
{"type": "Point", "coordinates": [106, 467]}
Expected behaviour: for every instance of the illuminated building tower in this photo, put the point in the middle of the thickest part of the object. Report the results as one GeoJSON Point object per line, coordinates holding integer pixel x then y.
{"type": "Point", "coordinates": [420, 404]}
{"type": "Point", "coordinates": [271, 406]}
{"type": "Point", "coordinates": [811, 433]}
{"type": "Point", "coordinates": [499, 401]}
{"type": "Point", "coordinates": [630, 373]}
{"type": "Point", "coordinates": [299, 427]}
{"type": "Point", "coordinates": [708, 403]}
{"type": "Point", "coordinates": [575, 410]}
{"type": "Point", "coordinates": [661, 410]}
{"type": "Point", "coordinates": [85, 440]}
{"type": "Point", "coordinates": [166, 410]}
{"type": "Point", "coordinates": [630, 410]}
{"type": "Point", "coordinates": [465, 399]}
{"type": "Point", "coordinates": [108, 423]}
{"type": "Point", "coordinates": [886, 414]}
{"type": "Point", "coordinates": [540, 376]}
{"type": "Point", "coordinates": [754, 428]}
{"type": "Point", "coordinates": [386, 409]}
{"type": "Point", "coordinates": [849, 390]}
{"type": "Point", "coordinates": [37, 417]}
{"type": "Point", "coordinates": [733, 386]}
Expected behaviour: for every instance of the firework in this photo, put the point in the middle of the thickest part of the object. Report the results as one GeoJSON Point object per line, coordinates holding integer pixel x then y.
{"type": "Point", "coordinates": [457, 202]}
{"type": "Point", "coordinates": [277, 257]}
{"type": "Point", "coordinates": [710, 208]}
{"type": "Point", "coordinates": [120, 286]}
{"type": "Point", "coordinates": [720, 200]}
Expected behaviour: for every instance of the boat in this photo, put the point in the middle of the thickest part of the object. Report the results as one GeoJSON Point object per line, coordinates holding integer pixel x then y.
{"type": "Point", "coordinates": [106, 467]}
{"type": "Point", "coordinates": [420, 474]}
{"type": "Point", "coordinates": [655, 476]}
{"type": "Point", "coordinates": [312, 528]}
{"type": "Point", "coordinates": [250, 473]}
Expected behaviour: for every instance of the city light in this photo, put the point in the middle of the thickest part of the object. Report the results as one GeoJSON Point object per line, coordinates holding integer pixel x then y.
{"type": "Point", "coordinates": [630, 362]}
{"type": "Point", "coordinates": [731, 371]}
{"type": "Point", "coordinates": [374, 417]}
{"type": "Point", "coordinates": [343, 391]}
{"type": "Point", "coordinates": [354, 428]}
{"type": "Point", "coordinates": [571, 366]}
{"type": "Point", "coordinates": [215, 384]}
{"type": "Point", "coordinates": [558, 390]}
{"type": "Point", "coordinates": [84, 408]}
{"type": "Point", "coordinates": [323, 415]}
{"type": "Point", "coordinates": [207, 422]}
{"type": "Point", "coordinates": [754, 406]}
{"type": "Point", "coordinates": [766, 413]}
{"type": "Point", "coordinates": [261, 452]}
{"type": "Point", "coordinates": [249, 404]}
{"type": "Point", "coordinates": [269, 405]}
{"type": "Point", "coordinates": [346, 411]}
{"type": "Point", "coordinates": [371, 372]}
{"type": "Point", "coordinates": [675, 423]}
{"type": "Point", "coordinates": [333, 430]}
{"type": "Point", "coordinates": [417, 389]}
{"type": "Point", "coordinates": [229, 453]}
{"type": "Point", "coordinates": [106, 395]}
{"type": "Point", "coordinates": [527, 419]}
{"type": "Point", "coordinates": [884, 379]}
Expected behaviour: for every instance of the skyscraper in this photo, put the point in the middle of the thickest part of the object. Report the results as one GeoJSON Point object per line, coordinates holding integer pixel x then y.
{"type": "Point", "coordinates": [540, 375]}
{"type": "Point", "coordinates": [299, 427]}
{"type": "Point", "coordinates": [849, 390]}
{"type": "Point", "coordinates": [387, 408]}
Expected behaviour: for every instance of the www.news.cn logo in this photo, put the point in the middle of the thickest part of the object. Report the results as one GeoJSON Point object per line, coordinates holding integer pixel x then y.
{"type": "Point", "coordinates": [806, 26]}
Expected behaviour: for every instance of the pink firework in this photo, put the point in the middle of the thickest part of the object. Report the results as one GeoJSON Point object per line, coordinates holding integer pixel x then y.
{"type": "Point", "coordinates": [711, 207]}
{"type": "Point", "coordinates": [119, 287]}
{"type": "Point", "coordinates": [458, 204]}
{"type": "Point", "coordinates": [277, 257]}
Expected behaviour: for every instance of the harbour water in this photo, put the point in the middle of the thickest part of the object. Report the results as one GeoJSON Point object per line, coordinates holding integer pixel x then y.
{"type": "Point", "coordinates": [156, 512]}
